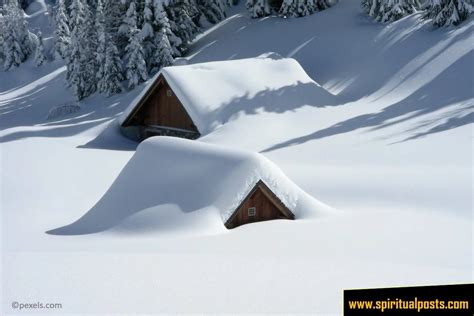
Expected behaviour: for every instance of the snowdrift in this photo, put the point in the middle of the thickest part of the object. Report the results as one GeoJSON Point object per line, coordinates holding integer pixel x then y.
{"type": "Point", "coordinates": [178, 176]}
{"type": "Point", "coordinates": [213, 92]}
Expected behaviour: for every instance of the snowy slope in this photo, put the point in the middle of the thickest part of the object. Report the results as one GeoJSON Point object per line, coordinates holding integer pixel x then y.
{"type": "Point", "coordinates": [394, 154]}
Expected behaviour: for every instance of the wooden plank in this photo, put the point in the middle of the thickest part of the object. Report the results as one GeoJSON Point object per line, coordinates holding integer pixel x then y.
{"type": "Point", "coordinates": [142, 101]}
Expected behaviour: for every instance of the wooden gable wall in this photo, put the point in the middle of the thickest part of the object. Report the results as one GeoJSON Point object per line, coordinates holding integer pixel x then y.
{"type": "Point", "coordinates": [161, 107]}
{"type": "Point", "coordinates": [267, 207]}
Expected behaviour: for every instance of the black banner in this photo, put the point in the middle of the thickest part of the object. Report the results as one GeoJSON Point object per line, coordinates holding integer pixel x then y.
{"type": "Point", "coordinates": [420, 300]}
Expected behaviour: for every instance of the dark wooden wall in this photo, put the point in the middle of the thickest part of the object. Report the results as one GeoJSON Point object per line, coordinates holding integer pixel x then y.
{"type": "Point", "coordinates": [267, 206]}
{"type": "Point", "coordinates": [162, 107]}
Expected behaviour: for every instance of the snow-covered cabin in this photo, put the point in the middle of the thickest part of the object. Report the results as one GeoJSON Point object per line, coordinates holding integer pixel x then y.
{"type": "Point", "coordinates": [185, 182]}
{"type": "Point", "coordinates": [193, 100]}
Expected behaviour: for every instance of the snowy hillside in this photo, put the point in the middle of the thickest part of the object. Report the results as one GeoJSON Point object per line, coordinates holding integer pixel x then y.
{"type": "Point", "coordinates": [391, 155]}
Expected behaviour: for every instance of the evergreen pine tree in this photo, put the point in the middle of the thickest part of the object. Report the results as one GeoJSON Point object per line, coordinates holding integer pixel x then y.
{"type": "Point", "coordinates": [90, 43]}
{"type": "Point", "coordinates": [323, 4]}
{"type": "Point", "coordinates": [77, 61]}
{"type": "Point", "coordinates": [371, 7]}
{"type": "Point", "coordinates": [180, 14]}
{"type": "Point", "coordinates": [109, 73]}
{"type": "Point", "coordinates": [389, 10]}
{"type": "Point", "coordinates": [368, 6]}
{"type": "Point", "coordinates": [162, 21]}
{"type": "Point", "coordinates": [213, 10]}
{"type": "Point", "coordinates": [140, 7]}
{"type": "Point", "coordinates": [163, 54]}
{"type": "Point", "coordinates": [76, 14]}
{"type": "Point", "coordinates": [13, 54]}
{"type": "Point", "coordinates": [18, 42]}
{"type": "Point", "coordinates": [148, 34]}
{"type": "Point", "coordinates": [392, 10]}
{"type": "Point", "coordinates": [101, 46]}
{"type": "Point", "coordinates": [123, 32]}
{"type": "Point", "coordinates": [136, 69]}
{"type": "Point", "coordinates": [448, 12]}
{"type": "Point", "coordinates": [62, 32]}
{"type": "Point", "coordinates": [40, 57]}
{"type": "Point", "coordinates": [295, 8]}
{"type": "Point", "coordinates": [113, 69]}
{"type": "Point", "coordinates": [113, 12]}
{"type": "Point", "coordinates": [28, 39]}
{"type": "Point", "coordinates": [2, 33]}
{"type": "Point", "coordinates": [258, 8]}
{"type": "Point", "coordinates": [298, 7]}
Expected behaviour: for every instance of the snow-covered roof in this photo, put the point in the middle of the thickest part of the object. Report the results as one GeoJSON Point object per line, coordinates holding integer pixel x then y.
{"type": "Point", "coordinates": [211, 91]}
{"type": "Point", "coordinates": [194, 176]}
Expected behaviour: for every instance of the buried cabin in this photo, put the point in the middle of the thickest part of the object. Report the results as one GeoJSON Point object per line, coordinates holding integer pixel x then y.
{"type": "Point", "coordinates": [222, 188]}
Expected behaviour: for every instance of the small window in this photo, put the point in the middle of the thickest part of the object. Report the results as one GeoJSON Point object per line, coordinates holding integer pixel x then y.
{"type": "Point", "coordinates": [252, 211]}
{"type": "Point", "coordinates": [169, 93]}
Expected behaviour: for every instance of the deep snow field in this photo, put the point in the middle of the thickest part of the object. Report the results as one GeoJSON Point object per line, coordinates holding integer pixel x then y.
{"type": "Point", "coordinates": [392, 157]}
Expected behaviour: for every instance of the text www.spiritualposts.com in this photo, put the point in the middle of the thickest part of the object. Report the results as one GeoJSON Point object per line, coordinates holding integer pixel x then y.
{"type": "Point", "coordinates": [414, 304]}
{"type": "Point", "coordinates": [36, 305]}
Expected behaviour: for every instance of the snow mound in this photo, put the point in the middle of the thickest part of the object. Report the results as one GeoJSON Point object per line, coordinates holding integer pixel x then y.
{"type": "Point", "coordinates": [190, 176]}
{"type": "Point", "coordinates": [63, 110]}
{"type": "Point", "coordinates": [243, 84]}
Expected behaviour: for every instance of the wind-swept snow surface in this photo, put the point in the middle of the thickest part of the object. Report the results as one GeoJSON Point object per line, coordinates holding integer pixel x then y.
{"type": "Point", "coordinates": [393, 155]}
{"type": "Point", "coordinates": [194, 177]}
